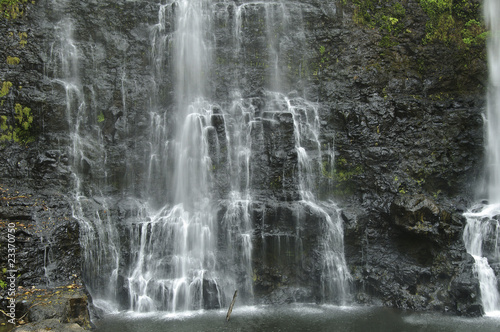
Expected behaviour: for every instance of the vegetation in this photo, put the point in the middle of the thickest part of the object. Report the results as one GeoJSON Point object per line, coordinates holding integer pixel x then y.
{"type": "Point", "coordinates": [342, 176]}
{"type": "Point", "coordinates": [454, 22]}
{"type": "Point", "coordinates": [12, 60]}
{"type": "Point", "coordinates": [384, 15]}
{"type": "Point", "coordinates": [23, 38]}
{"type": "Point", "coordinates": [100, 117]}
{"type": "Point", "coordinates": [11, 9]}
{"type": "Point", "coordinates": [5, 88]}
{"type": "Point", "coordinates": [21, 130]}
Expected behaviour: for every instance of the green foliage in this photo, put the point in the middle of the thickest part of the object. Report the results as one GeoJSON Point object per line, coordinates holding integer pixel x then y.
{"type": "Point", "coordinates": [21, 130]}
{"type": "Point", "coordinates": [434, 7]}
{"type": "Point", "coordinates": [388, 16]}
{"type": "Point", "coordinates": [24, 119]}
{"type": "Point", "coordinates": [473, 34]}
{"type": "Point", "coordinates": [324, 57]}
{"type": "Point", "coordinates": [454, 22]}
{"type": "Point", "coordinates": [23, 38]}
{"type": "Point", "coordinates": [342, 176]}
{"type": "Point", "coordinates": [3, 284]}
{"type": "Point", "coordinates": [12, 60]}
{"type": "Point", "coordinates": [5, 88]}
{"type": "Point", "coordinates": [11, 9]}
{"type": "Point", "coordinates": [6, 134]}
{"type": "Point", "coordinates": [100, 117]}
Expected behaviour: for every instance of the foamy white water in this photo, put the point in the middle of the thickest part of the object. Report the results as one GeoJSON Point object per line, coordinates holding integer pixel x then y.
{"type": "Point", "coordinates": [481, 234]}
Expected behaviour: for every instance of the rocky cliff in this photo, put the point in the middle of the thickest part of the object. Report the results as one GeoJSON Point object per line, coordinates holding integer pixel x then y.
{"type": "Point", "coordinates": [399, 97]}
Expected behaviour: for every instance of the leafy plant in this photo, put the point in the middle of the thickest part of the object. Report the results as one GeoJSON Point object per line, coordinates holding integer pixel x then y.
{"type": "Point", "coordinates": [454, 22]}
{"type": "Point", "coordinates": [23, 38]}
{"type": "Point", "coordinates": [12, 9]}
{"type": "Point", "coordinates": [12, 60]}
{"type": "Point", "coordinates": [377, 15]}
{"type": "Point", "coordinates": [5, 88]}
{"type": "Point", "coordinates": [386, 16]}
{"type": "Point", "coordinates": [100, 117]}
{"type": "Point", "coordinates": [21, 130]}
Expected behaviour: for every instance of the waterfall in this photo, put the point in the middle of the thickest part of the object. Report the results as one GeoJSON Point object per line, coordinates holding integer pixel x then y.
{"type": "Point", "coordinates": [86, 152]}
{"type": "Point", "coordinates": [482, 241]}
{"type": "Point", "coordinates": [282, 26]}
{"type": "Point", "coordinates": [177, 228]}
{"type": "Point", "coordinates": [174, 267]}
{"type": "Point", "coordinates": [482, 232]}
{"type": "Point", "coordinates": [491, 11]}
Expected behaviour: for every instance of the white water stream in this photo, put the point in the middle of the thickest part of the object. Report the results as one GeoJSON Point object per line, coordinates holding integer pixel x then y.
{"type": "Point", "coordinates": [190, 235]}
{"type": "Point", "coordinates": [482, 232]}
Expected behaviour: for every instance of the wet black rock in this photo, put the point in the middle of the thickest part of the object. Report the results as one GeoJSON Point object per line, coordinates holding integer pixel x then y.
{"type": "Point", "coordinates": [59, 309]}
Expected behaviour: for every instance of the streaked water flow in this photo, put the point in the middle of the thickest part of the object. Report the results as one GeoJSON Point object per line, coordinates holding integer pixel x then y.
{"type": "Point", "coordinates": [186, 237]}
{"type": "Point", "coordinates": [482, 232]}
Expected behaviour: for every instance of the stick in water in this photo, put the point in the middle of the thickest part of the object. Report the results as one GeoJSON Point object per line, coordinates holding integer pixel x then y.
{"type": "Point", "coordinates": [231, 306]}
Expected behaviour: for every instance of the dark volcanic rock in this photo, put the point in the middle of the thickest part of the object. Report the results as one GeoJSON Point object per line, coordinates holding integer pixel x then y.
{"type": "Point", "coordinates": [420, 216]}
{"type": "Point", "coordinates": [68, 304]}
{"type": "Point", "coordinates": [46, 237]}
{"type": "Point", "coordinates": [50, 325]}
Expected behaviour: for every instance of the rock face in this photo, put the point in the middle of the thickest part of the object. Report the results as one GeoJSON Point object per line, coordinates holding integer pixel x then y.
{"type": "Point", "coordinates": [399, 145]}
{"type": "Point", "coordinates": [420, 246]}
{"type": "Point", "coordinates": [45, 236]}
{"type": "Point", "coordinates": [62, 308]}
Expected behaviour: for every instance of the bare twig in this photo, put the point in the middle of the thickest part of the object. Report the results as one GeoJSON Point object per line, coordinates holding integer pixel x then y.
{"type": "Point", "coordinates": [231, 306]}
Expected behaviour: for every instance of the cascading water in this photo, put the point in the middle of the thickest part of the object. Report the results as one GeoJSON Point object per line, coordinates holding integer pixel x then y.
{"type": "Point", "coordinates": [183, 237]}
{"type": "Point", "coordinates": [481, 237]}
{"type": "Point", "coordinates": [482, 232]}
{"type": "Point", "coordinates": [280, 29]}
{"type": "Point", "coordinates": [335, 276]}
{"type": "Point", "coordinates": [174, 268]}
{"type": "Point", "coordinates": [86, 152]}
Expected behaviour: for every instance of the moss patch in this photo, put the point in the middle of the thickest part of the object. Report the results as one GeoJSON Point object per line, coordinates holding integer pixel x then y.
{"type": "Point", "coordinates": [342, 176]}
{"type": "Point", "coordinates": [12, 9]}
{"type": "Point", "coordinates": [384, 15]}
{"type": "Point", "coordinates": [21, 130]}
{"type": "Point", "coordinates": [454, 22]}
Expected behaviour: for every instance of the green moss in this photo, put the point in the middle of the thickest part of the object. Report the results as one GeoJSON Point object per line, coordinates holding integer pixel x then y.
{"type": "Point", "coordinates": [12, 60]}
{"type": "Point", "coordinates": [276, 183]}
{"type": "Point", "coordinates": [6, 130]}
{"type": "Point", "coordinates": [21, 130]}
{"type": "Point", "coordinates": [387, 16]}
{"type": "Point", "coordinates": [387, 41]}
{"type": "Point", "coordinates": [3, 123]}
{"type": "Point", "coordinates": [12, 9]}
{"type": "Point", "coordinates": [5, 88]}
{"type": "Point", "coordinates": [100, 117]}
{"type": "Point", "coordinates": [454, 22]}
{"type": "Point", "coordinates": [23, 38]}
{"type": "Point", "coordinates": [341, 176]}
{"type": "Point", "coordinates": [24, 120]}
{"type": "Point", "coordinates": [473, 34]}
